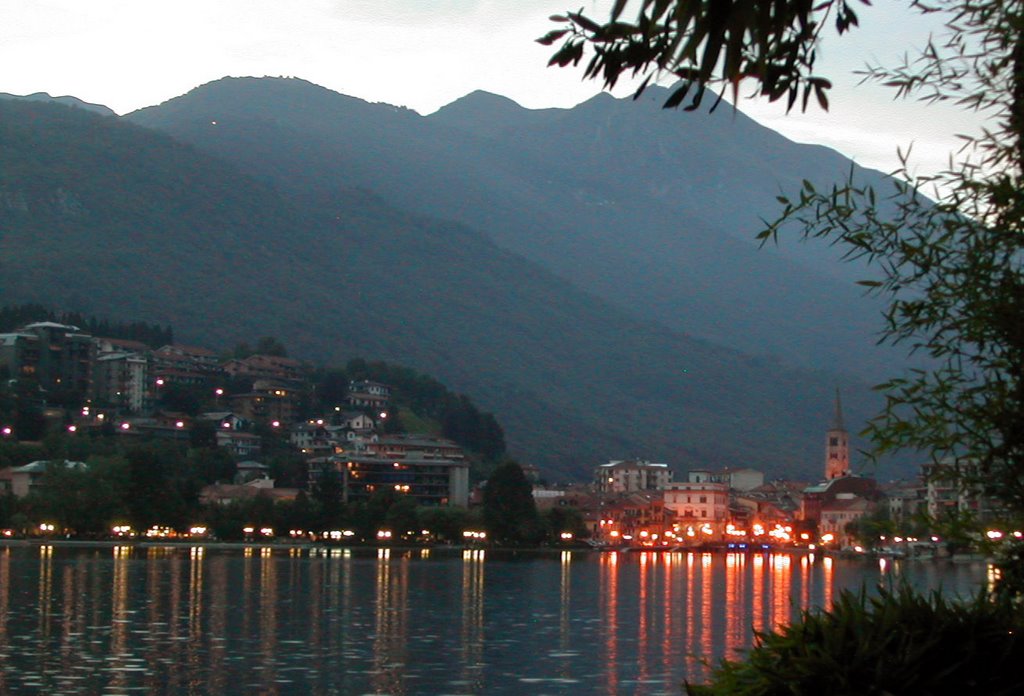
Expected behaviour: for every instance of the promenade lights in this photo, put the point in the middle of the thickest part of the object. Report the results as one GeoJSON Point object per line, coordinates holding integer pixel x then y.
{"type": "Point", "coordinates": [614, 534]}
{"type": "Point", "coordinates": [275, 424]}
{"type": "Point", "coordinates": [690, 532]}
{"type": "Point", "coordinates": [994, 534]}
{"type": "Point", "coordinates": [122, 530]}
{"type": "Point", "coordinates": [72, 428]}
{"type": "Point", "coordinates": [47, 528]}
{"type": "Point", "coordinates": [197, 530]}
{"type": "Point", "coordinates": [6, 431]}
{"type": "Point", "coordinates": [1018, 535]}
{"type": "Point", "coordinates": [384, 534]}
{"type": "Point", "coordinates": [126, 426]}
{"type": "Point", "coordinates": [248, 531]}
{"type": "Point", "coordinates": [566, 536]}
{"type": "Point", "coordinates": [706, 529]}
{"type": "Point", "coordinates": [471, 535]}
{"type": "Point", "coordinates": [267, 531]}
{"type": "Point", "coordinates": [758, 529]}
{"type": "Point", "coordinates": [827, 538]}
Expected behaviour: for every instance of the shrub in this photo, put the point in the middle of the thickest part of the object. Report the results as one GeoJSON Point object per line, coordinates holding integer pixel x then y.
{"type": "Point", "coordinates": [899, 642]}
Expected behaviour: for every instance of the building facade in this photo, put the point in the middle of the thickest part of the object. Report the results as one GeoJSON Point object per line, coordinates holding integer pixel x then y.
{"type": "Point", "coordinates": [631, 475]}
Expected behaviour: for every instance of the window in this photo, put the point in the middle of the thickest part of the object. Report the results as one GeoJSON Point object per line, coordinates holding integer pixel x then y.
{"type": "Point", "coordinates": [704, 498]}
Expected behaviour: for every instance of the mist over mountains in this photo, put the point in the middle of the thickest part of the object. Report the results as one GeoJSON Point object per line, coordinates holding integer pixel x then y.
{"type": "Point", "coordinates": [588, 274]}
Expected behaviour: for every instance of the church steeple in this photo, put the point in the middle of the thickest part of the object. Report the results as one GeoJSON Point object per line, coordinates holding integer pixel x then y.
{"type": "Point", "coordinates": [837, 447]}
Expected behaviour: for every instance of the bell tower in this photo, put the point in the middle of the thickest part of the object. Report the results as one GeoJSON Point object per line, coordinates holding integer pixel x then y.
{"type": "Point", "coordinates": [837, 447]}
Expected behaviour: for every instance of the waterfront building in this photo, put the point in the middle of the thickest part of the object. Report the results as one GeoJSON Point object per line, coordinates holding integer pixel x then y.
{"type": "Point", "coordinates": [953, 487]}
{"type": "Point", "coordinates": [700, 502]}
{"type": "Point", "coordinates": [819, 496]}
{"type": "Point", "coordinates": [838, 513]}
{"type": "Point", "coordinates": [629, 475]}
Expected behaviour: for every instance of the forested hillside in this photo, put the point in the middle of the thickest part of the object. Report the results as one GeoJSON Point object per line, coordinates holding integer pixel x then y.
{"type": "Point", "coordinates": [104, 217]}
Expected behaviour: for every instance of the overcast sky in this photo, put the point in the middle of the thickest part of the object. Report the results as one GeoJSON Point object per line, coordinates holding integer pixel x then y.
{"type": "Point", "coordinates": [423, 54]}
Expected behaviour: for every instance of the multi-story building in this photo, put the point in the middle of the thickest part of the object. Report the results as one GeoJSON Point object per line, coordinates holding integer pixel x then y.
{"type": "Point", "coordinates": [268, 402]}
{"type": "Point", "coordinates": [238, 443]}
{"type": "Point", "coordinates": [630, 475]}
{"type": "Point", "coordinates": [272, 367]}
{"type": "Point", "coordinates": [58, 356]}
{"type": "Point", "coordinates": [952, 486]}
{"type": "Point", "coordinates": [742, 479]}
{"type": "Point", "coordinates": [429, 470]}
{"type": "Point", "coordinates": [364, 393]}
{"type": "Point", "coordinates": [700, 502]}
{"type": "Point", "coordinates": [837, 514]}
{"type": "Point", "coordinates": [188, 365]}
{"type": "Point", "coordinates": [122, 380]}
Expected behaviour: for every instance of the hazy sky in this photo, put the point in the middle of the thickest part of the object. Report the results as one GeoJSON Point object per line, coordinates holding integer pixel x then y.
{"type": "Point", "coordinates": [127, 54]}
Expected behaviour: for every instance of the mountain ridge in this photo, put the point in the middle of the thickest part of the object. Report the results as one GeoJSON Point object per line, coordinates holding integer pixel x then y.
{"type": "Point", "coordinates": [337, 272]}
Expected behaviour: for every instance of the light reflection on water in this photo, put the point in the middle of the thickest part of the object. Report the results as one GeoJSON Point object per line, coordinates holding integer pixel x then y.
{"type": "Point", "coordinates": [286, 620]}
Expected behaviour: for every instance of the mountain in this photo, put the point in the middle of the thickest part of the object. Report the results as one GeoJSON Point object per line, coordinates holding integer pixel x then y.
{"type": "Point", "coordinates": [66, 100]}
{"type": "Point", "coordinates": [104, 216]}
{"type": "Point", "coordinates": [654, 211]}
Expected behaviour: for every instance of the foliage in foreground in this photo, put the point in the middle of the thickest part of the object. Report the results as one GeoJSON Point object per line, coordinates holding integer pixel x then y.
{"type": "Point", "coordinates": [900, 642]}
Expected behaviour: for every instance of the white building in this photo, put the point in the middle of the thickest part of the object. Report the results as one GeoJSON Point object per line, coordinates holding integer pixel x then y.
{"type": "Point", "coordinates": [703, 501]}
{"type": "Point", "coordinates": [631, 475]}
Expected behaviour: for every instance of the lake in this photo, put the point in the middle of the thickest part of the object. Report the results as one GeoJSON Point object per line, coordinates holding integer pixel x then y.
{"type": "Point", "coordinates": [289, 620]}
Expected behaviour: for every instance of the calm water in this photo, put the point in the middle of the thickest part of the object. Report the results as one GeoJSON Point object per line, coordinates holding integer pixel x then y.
{"type": "Point", "coordinates": [295, 621]}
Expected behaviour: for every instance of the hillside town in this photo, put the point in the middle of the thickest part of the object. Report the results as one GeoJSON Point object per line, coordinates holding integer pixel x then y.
{"type": "Point", "coordinates": [628, 502]}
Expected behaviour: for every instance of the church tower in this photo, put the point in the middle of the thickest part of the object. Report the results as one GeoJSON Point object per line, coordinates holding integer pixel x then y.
{"type": "Point", "coordinates": [837, 449]}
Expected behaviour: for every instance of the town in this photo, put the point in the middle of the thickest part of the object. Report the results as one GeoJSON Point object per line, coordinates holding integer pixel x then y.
{"type": "Point", "coordinates": [353, 454]}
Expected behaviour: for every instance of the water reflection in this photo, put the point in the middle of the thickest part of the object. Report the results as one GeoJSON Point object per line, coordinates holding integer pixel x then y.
{"type": "Point", "coordinates": [390, 614]}
{"type": "Point", "coordinates": [609, 595]}
{"type": "Point", "coordinates": [284, 620]}
{"type": "Point", "coordinates": [5, 598]}
{"type": "Point", "coordinates": [472, 632]}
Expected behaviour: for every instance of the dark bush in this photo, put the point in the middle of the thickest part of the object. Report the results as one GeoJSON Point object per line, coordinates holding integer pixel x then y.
{"type": "Point", "coordinates": [899, 642]}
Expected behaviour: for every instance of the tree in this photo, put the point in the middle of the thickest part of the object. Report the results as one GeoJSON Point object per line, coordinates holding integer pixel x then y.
{"type": "Point", "coordinates": [951, 268]}
{"type": "Point", "coordinates": [707, 44]}
{"type": "Point", "coordinates": [328, 493]}
{"type": "Point", "coordinates": [510, 513]}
